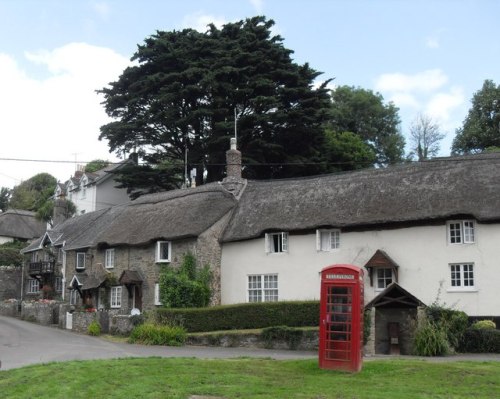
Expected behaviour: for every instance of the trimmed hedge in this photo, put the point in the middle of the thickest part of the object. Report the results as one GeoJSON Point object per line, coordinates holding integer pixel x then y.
{"type": "Point", "coordinates": [243, 316]}
{"type": "Point", "coordinates": [480, 341]}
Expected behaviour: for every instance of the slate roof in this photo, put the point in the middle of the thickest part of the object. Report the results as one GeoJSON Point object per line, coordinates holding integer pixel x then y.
{"type": "Point", "coordinates": [421, 191]}
{"type": "Point", "coordinates": [20, 224]}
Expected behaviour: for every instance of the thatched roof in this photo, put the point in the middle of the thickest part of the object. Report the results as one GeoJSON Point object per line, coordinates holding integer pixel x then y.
{"type": "Point", "coordinates": [162, 216]}
{"type": "Point", "coordinates": [417, 192]}
{"type": "Point", "coordinates": [169, 215]}
{"type": "Point", "coordinates": [20, 224]}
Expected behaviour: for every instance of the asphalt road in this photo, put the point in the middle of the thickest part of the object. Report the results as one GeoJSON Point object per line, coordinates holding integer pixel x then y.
{"type": "Point", "coordinates": [23, 343]}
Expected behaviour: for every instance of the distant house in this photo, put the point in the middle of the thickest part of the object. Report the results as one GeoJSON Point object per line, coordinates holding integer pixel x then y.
{"type": "Point", "coordinates": [93, 191]}
{"type": "Point", "coordinates": [20, 225]}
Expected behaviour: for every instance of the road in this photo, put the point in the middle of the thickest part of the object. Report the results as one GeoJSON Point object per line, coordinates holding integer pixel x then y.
{"type": "Point", "coordinates": [23, 343]}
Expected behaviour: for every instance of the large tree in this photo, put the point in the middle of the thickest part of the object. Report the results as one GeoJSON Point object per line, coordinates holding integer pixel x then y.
{"type": "Point", "coordinates": [32, 194]}
{"type": "Point", "coordinates": [481, 128]}
{"type": "Point", "coordinates": [5, 193]}
{"type": "Point", "coordinates": [425, 136]}
{"type": "Point", "coordinates": [182, 92]}
{"type": "Point", "coordinates": [365, 114]}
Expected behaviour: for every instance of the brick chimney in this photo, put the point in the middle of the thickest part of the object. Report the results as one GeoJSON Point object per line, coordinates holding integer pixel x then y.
{"type": "Point", "coordinates": [233, 161]}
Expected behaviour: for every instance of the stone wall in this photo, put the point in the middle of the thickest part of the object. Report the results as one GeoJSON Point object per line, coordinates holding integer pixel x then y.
{"type": "Point", "coordinates": [407, 322]}
{"type": "Point", "coordinates": [45, 313]}
{"type": "Point", "coordinates": [9, 308]}
{"type": "Point", "coordinates": [10, 282]}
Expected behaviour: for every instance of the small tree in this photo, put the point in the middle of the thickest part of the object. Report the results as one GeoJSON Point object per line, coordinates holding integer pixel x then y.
{"type": "Point", "coordinates": [425, 136]}
{"type": "Point", "coordinates": [187, 286]}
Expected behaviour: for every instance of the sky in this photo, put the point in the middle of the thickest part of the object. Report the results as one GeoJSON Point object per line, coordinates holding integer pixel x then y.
{"type": "Point", "coordinates": [426, 56]}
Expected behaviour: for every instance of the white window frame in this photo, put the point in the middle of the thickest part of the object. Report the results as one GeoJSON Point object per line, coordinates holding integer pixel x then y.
{"type": "Point", "coordinates": [79, 261]}
{"type": "Point", "coordinates": [281, 246]}
{"type": "Point", "coordinates": [73, 297]}
{"type": "Point", "coordinates": [157, 294]}
{"type": "Point", "coordinates": [109, 258]}
{"type": "Point", "coordinates": [461, 231]}
{"type": "Point", "coordinates": [58, 284]}
{"type": "Point", "coordinates": [262, 288]}
{"type": "Point", "coordinates": [116, 297]}
{"type": "Point", "coordinates": [327, 240]}
{"type": "Point", "coordinates": [462, 277]}
{"type": "Point", "coordinates": [159, 245]}
{"type": "Point", "coordinates": [383, 278]}
{"type": "Point", "coordinates": [33, 286]}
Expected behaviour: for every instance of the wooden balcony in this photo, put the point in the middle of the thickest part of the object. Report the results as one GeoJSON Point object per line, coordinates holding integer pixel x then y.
{"type": "Point", "coordinates": [43, 267]}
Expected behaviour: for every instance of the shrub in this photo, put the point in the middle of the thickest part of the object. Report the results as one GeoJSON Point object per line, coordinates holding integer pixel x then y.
{"type": "Point", "coordinates": [452, 322]}
{"type": "Point", "coordinates": [242, 316]}
{"type": "Point", "coordinates": [10, 253]}
{"type": "Point", "coordinates": [185, 287]}
{"type": "Point", "coordinates": [484, 325]}
{"type": "Point", "coordinates": [430, 340]}
{"type": "Point", "coordinates": [94, 328]}
{"type": "Point", "coordinates": [154, 334]}
{"type": "Point", "coordinates": [290, 335]}
{"type": "Point", "coordinates": [476, 340]}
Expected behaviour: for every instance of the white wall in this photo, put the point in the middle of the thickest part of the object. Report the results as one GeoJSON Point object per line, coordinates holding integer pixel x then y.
{"type": "Point", "coordinates": [422, 253]}
{"type": "Point", "coordinates": [108, 195]}
{"type": "Point", "coordinates": [4, 239]}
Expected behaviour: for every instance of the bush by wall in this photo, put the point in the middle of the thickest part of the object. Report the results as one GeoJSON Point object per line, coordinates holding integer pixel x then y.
{"type": "Point", "coordinates": [477, 340]}
{"type": "Point", "coordinates": [154, 334]}
{"type": "Point", "coordinates": [242, 316]}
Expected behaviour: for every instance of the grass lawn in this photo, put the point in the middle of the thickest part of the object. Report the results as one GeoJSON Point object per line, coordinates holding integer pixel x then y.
{"type": "Point", "coordinates": [250, 378]}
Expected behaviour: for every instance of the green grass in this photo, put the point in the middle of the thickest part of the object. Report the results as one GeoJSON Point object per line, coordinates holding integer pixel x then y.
{"type": "Point", "coordinates": [250, 378]}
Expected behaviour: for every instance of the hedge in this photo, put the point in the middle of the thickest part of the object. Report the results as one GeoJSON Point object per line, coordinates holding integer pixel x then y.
{"type": "Point", "coordinates": [480, 341]}
{"type": "Point", "coordinates": [242, 316]}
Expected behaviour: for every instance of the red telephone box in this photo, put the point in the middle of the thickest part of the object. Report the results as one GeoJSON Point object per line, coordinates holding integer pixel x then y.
{"type": "Point", "coordinates": [341, 318]}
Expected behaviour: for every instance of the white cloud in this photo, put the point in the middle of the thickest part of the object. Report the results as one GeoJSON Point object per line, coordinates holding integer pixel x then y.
{"type": "Point", "coordinates": [199, 21]}
{"type": "Point", "coordinates": [258, 5]}
{"type": "Point", "coordinates": [425, 81]}
{"type": "Point", "coordinates": [441, 105]}
{"type": "Point", "coordinates": [405, 100]}
{"type": "Point", "coordinates": [432, 42]}
{"type": "Point", "coordinates": [102, 9]}
{"type": "Point", "coordinates": [56, 117]}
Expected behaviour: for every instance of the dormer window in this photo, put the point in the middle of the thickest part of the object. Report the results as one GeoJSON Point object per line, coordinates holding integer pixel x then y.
{"type": "Point", "coordinates": [276, 242]}
{"type": "Point", "coordinates": [461, 232]}
{"type": "Point", "coordinates": [382, 270]}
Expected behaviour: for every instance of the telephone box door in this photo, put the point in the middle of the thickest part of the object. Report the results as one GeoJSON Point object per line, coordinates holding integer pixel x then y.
{"type": "Point", "coordinates": [341, 310]}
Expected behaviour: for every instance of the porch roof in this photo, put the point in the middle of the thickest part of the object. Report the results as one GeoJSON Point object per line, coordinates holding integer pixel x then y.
{"type": "Point", "coordinates": [394, 296]}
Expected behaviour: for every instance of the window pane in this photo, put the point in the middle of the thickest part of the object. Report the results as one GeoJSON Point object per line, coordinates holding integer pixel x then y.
{"type": "Point", "coordinates": [325, 240]}
{"type": "Point", "coordinates": [335, 239]}
{"type": "Point", "coordinates": [468, 231]}
{"type": "Point", "coordinates": [455, 233]}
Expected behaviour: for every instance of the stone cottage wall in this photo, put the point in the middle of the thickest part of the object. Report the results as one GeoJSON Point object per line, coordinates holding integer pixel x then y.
{"type": "Point", "coordinates": [45, 313]}
{"type": "Point", "coordinates": [10, 282]}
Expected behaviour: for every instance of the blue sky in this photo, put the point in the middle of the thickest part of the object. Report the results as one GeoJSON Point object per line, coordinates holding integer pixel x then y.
{"type": "Point", "coordinates": [426, 56]}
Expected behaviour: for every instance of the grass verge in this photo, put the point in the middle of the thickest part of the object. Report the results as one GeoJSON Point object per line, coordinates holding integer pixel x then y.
{"type": "Point", "coordinates": [250, 378]}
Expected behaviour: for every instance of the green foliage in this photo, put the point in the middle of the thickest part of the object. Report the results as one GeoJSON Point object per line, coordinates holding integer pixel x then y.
{"type": "Point", "coordinates": [94, 328]}
{"type": "Point", "coordinates": [185, 287]}
{"type": "Point", "coordinates": [481, 127]}
{"type": "Point", "coordinates": [242, 316]}
{"type": "Point", "coordinates": [10, 253]}
{"type": "Point", "coordinates": [364, 114]}
{"type": "Point", "coordinates": [430, 340]}
{"type": "Point", "coordinates": [290, 335]}
{"type": "Point", "coordinates": [95, 165]}
{"type": "Point", "coordinates": [452, 322]}
{"type": "Point", "coordinates": [367, 324]}
{"type": "Point", "coordinates": [32, 194]}
{"type": "Point", "coordinates": [183, 90]}
{"type": "Point", "coordinates": [4, 198]}
{"type": "Point", "coordinates": [477, 340]}
{"type": "Point", "coordinates": [154, 334]}
{"type": "Point", "coordinates": [347, 151]}
{"type": "Point", "coordinates": [46, 211]}
{"type": "Point", "coordinates": [484, 325]}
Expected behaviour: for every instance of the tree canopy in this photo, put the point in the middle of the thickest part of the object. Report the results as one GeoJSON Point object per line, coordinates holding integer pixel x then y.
{"type": "Point", "coordinates": [365, 114]}
{"type": "Point", "coordinates": [185, 87]}
{"type": "Point", "coordinates": [31, 194]}
{"type": "Point", "coordinates": [425, 136]}
{"type": "Point", "coordinates": [95, 165]}
{"type": "Point", "coordinates": [481, 127]}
